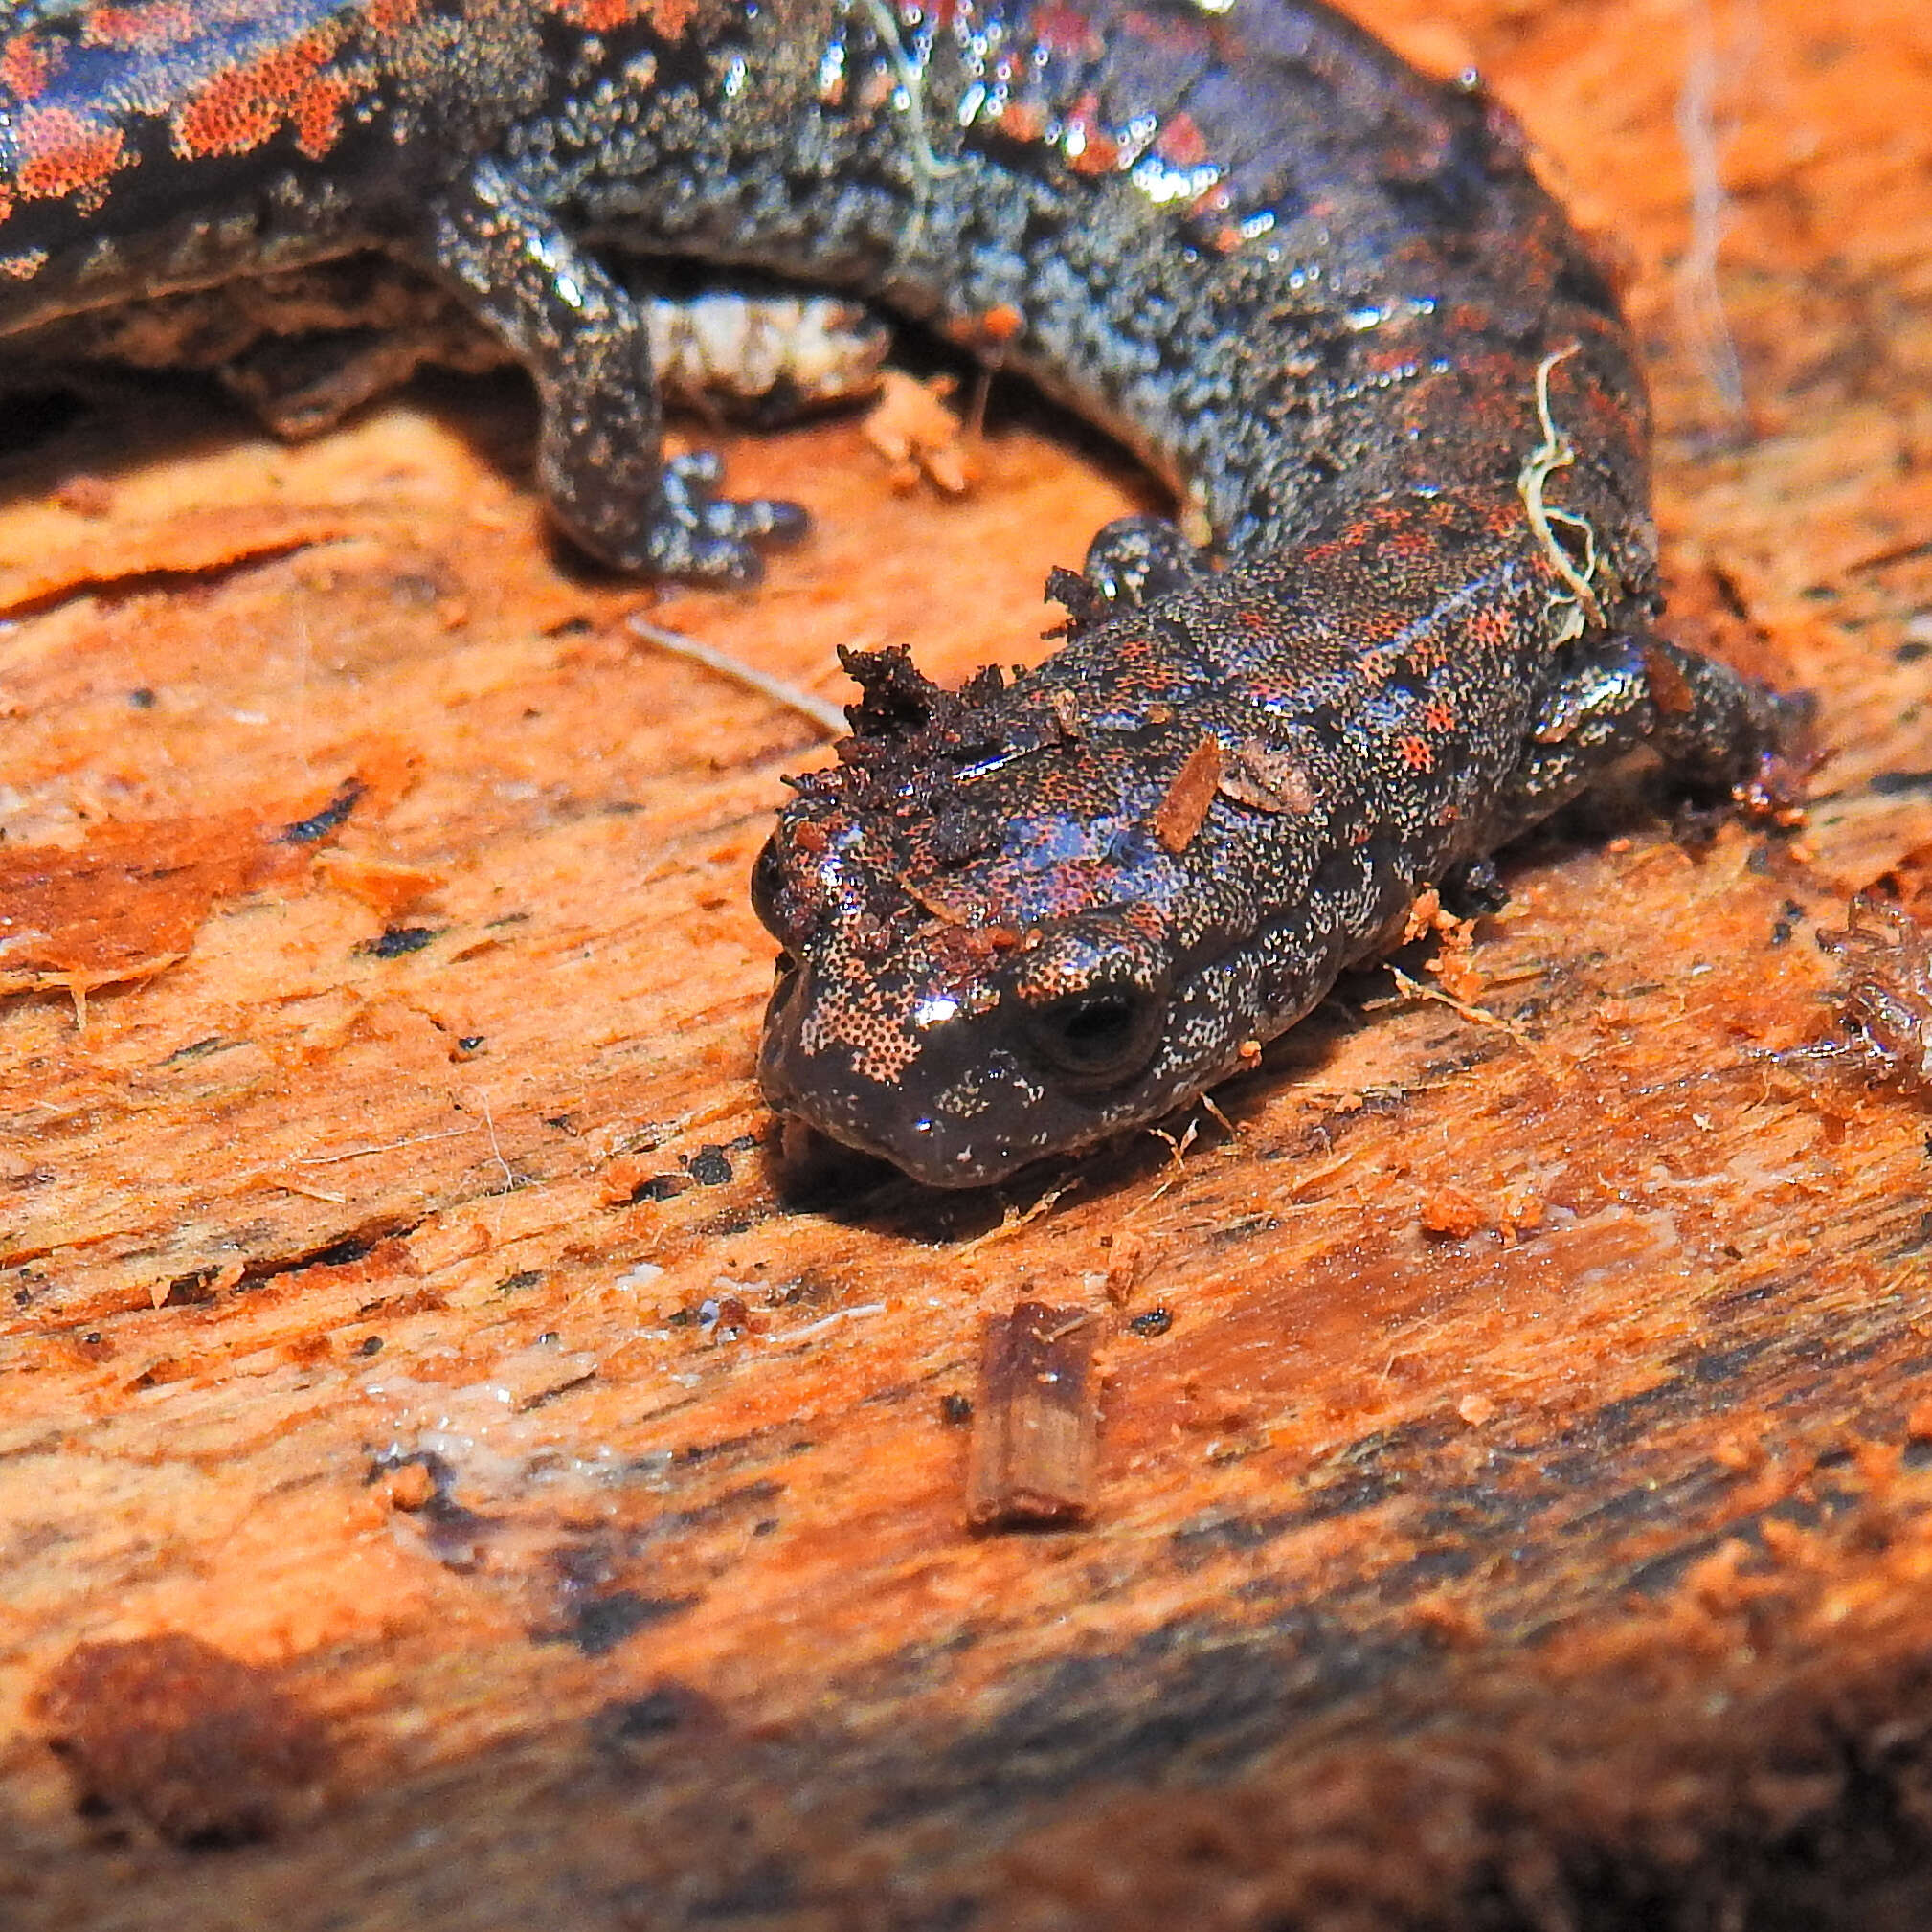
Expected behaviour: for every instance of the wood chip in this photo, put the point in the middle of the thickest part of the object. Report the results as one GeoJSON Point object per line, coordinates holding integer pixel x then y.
{"type": "Point", "coordinates": [1669, 690]}
{"type": "Point", "coordinates": [1179, 815]}
{"type": "Point", "coordinates": [1123, 1266]}
{"type": "Point", "coordinates": [1266, 780]}
{"type": "Point", "coordinates": [389, 886]}
{"type": "Point", "coordinates": [1036, 1430]}
{"type": "Point", "coordinates": [1451, 1213]}
{"type": "Point", "coordinates": [912, 427]}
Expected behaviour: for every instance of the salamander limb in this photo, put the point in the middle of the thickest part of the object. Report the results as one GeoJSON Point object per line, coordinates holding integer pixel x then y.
{"type": "Point", "coordinates": [1412, 604]}
{"type": "Point", "coordinates": [587, 347]}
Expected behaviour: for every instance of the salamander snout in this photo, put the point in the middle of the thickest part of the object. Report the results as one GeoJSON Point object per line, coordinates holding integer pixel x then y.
{"type": "Point", "coordinates": [962, 1053]}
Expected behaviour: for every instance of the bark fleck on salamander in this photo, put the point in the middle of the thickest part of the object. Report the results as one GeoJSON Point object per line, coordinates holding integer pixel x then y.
{"type": "Point", "coordinates": [1320, 294]}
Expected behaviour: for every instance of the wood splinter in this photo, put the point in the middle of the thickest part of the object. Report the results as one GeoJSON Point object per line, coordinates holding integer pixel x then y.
{"type": "Point", "coordinates": [1036, 1434]}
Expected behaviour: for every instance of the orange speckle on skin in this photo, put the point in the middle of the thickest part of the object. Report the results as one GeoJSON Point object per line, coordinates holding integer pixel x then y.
{"type": "Point", "coordinates": [27, 64]}
{"type": "Point", "coordinates": [598, 16]}
{"type": "Point", "coordinates": [246, 104]}
{"type": "Point", "coordinates": [1065, 29]}
{"type": "Point", "coordinates": [318, 115]}
{"type": "Point", "coordinates": [1181, 143]}
{"type": "Point", "coordinates": [63, 153]}
{"type": "Point", "coordinates": [1438, 714]}
{"type": "Point", "coordinates": [1022, 121]}
{"type": "Point", "coordinates": [169, 23]}
{"type": "Point", "coordinates": [386, 16]}
{"type": "Point", "coordinates": [1415, 753]}
{"type": "Point", "coordinates": [1089, 148]}
{"type": "Point", "coordinates": [1489, 627]}
{"type": "Point", "coordinates": [1100, 155]}
{"type": "Point", "coordinates": [1172, 31]}
{"type": "Point", "coordinates": [1000, 323]}
{"type": "Point", "coordinates": [671, 18]}
{"type": "Point", "coordinates": [1206, 207]}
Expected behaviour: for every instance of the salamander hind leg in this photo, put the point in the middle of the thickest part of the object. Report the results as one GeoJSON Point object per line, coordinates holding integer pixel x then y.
{"type": "Point", "coordinates": [1713, 729]}
{"type": "Point", "coordinates": [587, 345]}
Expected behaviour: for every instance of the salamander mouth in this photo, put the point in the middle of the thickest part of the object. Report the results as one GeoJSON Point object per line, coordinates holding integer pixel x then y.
{"type": "Point", "coordinates": [905, 1121]}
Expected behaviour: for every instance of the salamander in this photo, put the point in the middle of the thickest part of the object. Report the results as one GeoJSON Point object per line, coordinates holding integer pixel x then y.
{"type": "Point", "coordinates": [1409, 606]}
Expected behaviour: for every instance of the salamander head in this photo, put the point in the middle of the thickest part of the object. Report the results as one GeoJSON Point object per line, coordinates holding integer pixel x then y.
{"type": "Point", "coordinates": [987, 950]}
{"type": "Point", "coordinates": [960, 1053]}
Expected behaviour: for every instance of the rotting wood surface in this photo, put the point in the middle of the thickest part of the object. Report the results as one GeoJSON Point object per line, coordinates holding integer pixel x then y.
{"type": "Point", "coordinates": [1512, 1499]}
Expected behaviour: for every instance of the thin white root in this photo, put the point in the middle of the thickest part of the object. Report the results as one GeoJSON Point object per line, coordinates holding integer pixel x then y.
{"type": "Point", "coordinates": [1555, 452]}
{"type": "Point", "coordinates": [827, 716]}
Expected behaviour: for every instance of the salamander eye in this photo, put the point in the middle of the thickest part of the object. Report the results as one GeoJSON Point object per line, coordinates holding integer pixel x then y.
{"type": "Point", "coordinates": [1098, 1037]}
{"type": "Point", "coordinates": [768, 882]}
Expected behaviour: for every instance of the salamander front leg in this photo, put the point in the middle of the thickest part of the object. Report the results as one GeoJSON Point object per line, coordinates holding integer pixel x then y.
{"type": "Point", "coordinates": [1713, 729]}
{"type": "Point", "coordinates": [1130, 561]}
{"type": "Point", "coordinates": [586, 344]}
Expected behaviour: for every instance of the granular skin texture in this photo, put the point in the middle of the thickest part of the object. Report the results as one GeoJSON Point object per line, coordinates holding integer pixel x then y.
{"type": "Point", "coordinates": [1319, 293]}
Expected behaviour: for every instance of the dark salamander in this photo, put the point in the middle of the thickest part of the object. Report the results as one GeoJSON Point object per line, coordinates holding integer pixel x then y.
{"type": "Point", "coordinates": [1321, 295]}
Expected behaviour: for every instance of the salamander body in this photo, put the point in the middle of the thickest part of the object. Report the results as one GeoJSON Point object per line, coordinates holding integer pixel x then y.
{"type": "Point", "coordinates": [1323, 296]}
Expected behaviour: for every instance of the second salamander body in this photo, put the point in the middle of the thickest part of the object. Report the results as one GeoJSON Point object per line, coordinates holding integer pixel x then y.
{"type": "Point", "coordinates": [1319, 293]}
